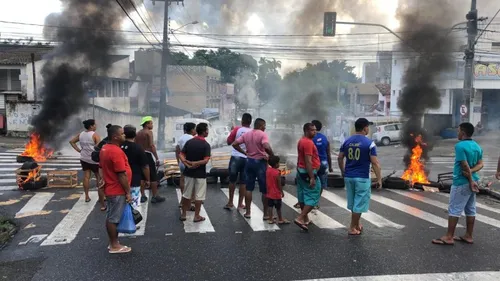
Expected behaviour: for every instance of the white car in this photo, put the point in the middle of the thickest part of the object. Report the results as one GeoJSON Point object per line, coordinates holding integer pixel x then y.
{"type": "Point", "coordinates": [385, 134]}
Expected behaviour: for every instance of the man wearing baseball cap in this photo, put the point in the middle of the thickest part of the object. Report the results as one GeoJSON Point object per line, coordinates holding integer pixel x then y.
{"type": "Point", "coordinates": [144, 138]}
{"type": "Point", "coordinates": [361, 153]}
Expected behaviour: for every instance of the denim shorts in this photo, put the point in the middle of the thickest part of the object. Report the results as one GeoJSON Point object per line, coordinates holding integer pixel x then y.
{"type": "Point", "coordinates": [115, 206]}
{"type": "Point", "coordinates": [323, 174]}
{"type": "Point", "coordinates": [237, 167]}
{"type": "Point", "coordinates": [359, 191]}
{"type": "Point", "coordinates": [462, 199]}
{"type": "Point", "coordinates": [255, 169]}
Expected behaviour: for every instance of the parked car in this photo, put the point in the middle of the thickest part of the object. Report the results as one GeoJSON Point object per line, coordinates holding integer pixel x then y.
{"type": "Point", "coordinates": [385, 134]}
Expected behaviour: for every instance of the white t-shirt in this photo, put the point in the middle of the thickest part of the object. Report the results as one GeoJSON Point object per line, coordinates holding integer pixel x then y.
{"type": "Point", "coordinates": [183, 139]}
{"type": "Point", "coordinates": [239, 133]}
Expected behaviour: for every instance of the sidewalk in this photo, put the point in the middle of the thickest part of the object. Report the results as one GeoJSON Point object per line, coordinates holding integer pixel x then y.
{"type": "Point", "coordinates": [11, 142]}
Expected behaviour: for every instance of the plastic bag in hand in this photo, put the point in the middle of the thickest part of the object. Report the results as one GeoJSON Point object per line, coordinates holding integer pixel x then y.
{"type": "Point", "coordinates": [127, 224]}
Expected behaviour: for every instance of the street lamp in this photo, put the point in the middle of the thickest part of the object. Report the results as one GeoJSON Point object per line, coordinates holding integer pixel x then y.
{"type": "Point", "coordinates": [189, 23]}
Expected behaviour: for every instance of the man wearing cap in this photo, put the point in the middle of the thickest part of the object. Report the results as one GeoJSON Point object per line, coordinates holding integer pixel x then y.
{"type": "Point", "coordinates": [361, 153]}
{"type": "Point", "coordinates": [144, 138]}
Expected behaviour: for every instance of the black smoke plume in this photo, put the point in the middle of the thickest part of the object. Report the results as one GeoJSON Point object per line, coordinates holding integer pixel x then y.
{"type": "Point", "coordinates": [86, 40]}
{"type": "Point", "coordinates": [430, 49]}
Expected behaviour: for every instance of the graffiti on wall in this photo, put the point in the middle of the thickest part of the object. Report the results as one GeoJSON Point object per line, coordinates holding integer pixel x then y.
{"type": "Point", "coordinates": [487, 71]}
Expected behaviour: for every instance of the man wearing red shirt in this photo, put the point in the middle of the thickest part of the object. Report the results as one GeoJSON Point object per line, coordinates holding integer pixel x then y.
{"type": "Point", "coordinates": [117, 176]}
{"type": "Point", "coordinates": [308, 183]}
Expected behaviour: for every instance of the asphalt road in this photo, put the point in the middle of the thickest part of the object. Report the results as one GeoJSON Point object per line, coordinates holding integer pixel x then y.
{"type": "Point", "coordinates": [396, 239]}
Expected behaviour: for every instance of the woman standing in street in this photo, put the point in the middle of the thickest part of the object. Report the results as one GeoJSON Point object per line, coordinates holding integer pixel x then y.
{"type": "Point", "coordinates": [88, 139]}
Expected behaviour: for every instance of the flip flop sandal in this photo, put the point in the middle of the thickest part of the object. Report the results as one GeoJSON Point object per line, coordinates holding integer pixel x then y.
{"type": "Point", "coordinates": [122, 250]}
{"type": "Point", "coordinates": [270, 221]}
{"type": "Point", "coordinates": [441, 242]}
{"type": "Point", "coordinates": [247, 216]}
{"type": "Point", "coordinates": [296, 206]}
{"type": "Point", "coordinates": [303, 226]}
{"type": "Point", "coordinates": [354, 234]}
{"type": "Point", "coordinates": [227, 207]}
{"type": "Point", "coordinates": [87, 200]}
{"type": "Point", "coordinates": [103, 209]}
{"type": "Point", "coordinates": [461, 239]}
{"type": "Point", "coordinates": [182, 219]}
{"type": "Point", "coordinates": [284, 222]}
{"type": "Point", "coordinates": [200, 220]}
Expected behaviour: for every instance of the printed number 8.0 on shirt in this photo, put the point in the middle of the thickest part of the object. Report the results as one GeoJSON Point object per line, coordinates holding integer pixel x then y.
{"type": "Point", "coordinates": [353, 154]}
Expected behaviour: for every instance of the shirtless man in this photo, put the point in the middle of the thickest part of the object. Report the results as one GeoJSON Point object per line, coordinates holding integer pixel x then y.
{"type": "Point", "coordinates": [144, 138]}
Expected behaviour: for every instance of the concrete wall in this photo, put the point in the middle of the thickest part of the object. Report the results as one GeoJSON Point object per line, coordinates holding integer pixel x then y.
{"type": "Point", "coordinates": [19, 115]}
{"type": "Point", "coordinates": [113, 103]}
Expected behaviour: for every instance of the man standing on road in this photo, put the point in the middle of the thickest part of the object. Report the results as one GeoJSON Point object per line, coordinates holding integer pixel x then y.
{"type": "Point", "coordinates": [257, 151]}
{"type": "Point", "coordinates": [308, 182]}
{"type": "Point", "coordinates": [360, 152]}
{"type": "Point", "coordinates": [138, 163]}
{"type": "Point", "coordinates": [237, 162]}
{"type": "Point", "coordinates": [463, 191]}
{"type": "Point", "coordinates": [145, 139]}
{"type": "Point", "coordinates": [325, 155]}
{"type": "Point", "coordinates": [189, 133]}
{"type": "Point", "coordinates": [117, 175]}
{"type": "Point", "coordinates": [195, 155]}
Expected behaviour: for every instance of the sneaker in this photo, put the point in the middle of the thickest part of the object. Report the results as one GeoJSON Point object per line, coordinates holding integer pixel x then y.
{"type": "Point", "coordinates": [157, 199]}
{"type": "Point", "coordinates": [144, 199]}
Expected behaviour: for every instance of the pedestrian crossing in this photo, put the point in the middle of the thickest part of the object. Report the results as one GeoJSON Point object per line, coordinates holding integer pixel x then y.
{"type": "Point", "coordinates": [490, 164]}
{"type": "Point", "coordinates": [62, 218]}
{"type": "Point", "coordinates": [9, 165]}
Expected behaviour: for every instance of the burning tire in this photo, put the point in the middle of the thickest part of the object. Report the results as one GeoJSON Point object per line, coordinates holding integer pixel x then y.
{"type": "Point", "coordinates": [23, 159]}
{"type": "Point", "coordinates": [212, 179]}
{"type": "Point", "coordinates": [174, 181]}
{"type": "Point", "coordinates": [335, 181]}
{"type": "Point", "coordinates": [34, 185]}
{"type": "Point", "coordinates": [395, 183]}
{"type": "Point", "coordinates": [219, 172]}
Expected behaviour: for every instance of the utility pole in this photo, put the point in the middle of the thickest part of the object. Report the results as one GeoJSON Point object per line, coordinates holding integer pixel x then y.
{"type": "Point", "coordinates": [163, 76]}
{"type": "Point", "coordinates": [468, 91]}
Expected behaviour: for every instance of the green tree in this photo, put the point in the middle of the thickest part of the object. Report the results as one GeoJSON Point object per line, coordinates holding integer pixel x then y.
{"type": "Point", "coordinates": [268, 84]}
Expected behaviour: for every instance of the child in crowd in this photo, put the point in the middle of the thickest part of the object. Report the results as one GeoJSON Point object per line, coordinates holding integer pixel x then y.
{"type": "Point", "coordinates": [274, 189]}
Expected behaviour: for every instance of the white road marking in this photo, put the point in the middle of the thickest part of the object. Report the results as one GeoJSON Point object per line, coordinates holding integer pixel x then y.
{"type": "Point", "coordinates": [143, 209]}
{"type": "Point", "coordinates": [196, 227]}
{"type": "Point", "coordinates": [65, 232]}
{"type": "Point", "coordinates": [35, 204]}
{"type": "Point", "coordinates": [412, 211]}
{"type": "Point", "coordinates": [370, 216]}
{"type": "Point", "coordinates": [8, 188]}
{"type": "Point", "coordinates": [13, 156]}
{"type": "Point", "coordinates": [456, 276]}
{"type": "Point", "coordinates": [72, 161]}
{"type": "Point", "coordinates": [13, 169]}
{"type": "Point", "coordinates": [43, 164]}
{"type": "Point", "coordinates": [34, 239]}
{"type": "Point", "coordinates": [419, 197]}
{"type": "Point", "coordinates": [478, 205]}
{"type": "Point", "coordinates": [318, 218]}
{"type": "Point", "coordinates": [256, 222]}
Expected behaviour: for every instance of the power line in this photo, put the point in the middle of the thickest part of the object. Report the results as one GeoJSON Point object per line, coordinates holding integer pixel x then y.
{"type": "Point", "coordinates": [486, 26]}
{"type": "Point", "coordinates": [137, 11]}
{"type": "Point", "coordinates": [125, 11]}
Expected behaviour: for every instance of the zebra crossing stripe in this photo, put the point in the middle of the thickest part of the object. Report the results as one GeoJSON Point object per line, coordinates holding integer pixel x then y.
{"type": "Point", "coordinates": [196, 227]}
{"type": "Point", "coordinates": [35, 205]}
{"type": "Point", "coordinates": [370, 216]}
{"type": "Point", "coordinates": [317, 218]}
{"type": "Point", "coordinates": [65, 232]}
{"type": "Point", "coordinates": [43, 164]}
{"type": "Point", "coordinates": [418, 197]}
{"type": "Point", "coordinates": [455, 276]}
{"type": "Point", "coordinates": [479, 205]}
{"type": "Point", "coordinates": [256, 222]}
{"type": "Point", "coordinates": [411, 211]}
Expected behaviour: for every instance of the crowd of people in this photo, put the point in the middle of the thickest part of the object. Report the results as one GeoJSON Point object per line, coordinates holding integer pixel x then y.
{"type": "Point", "coordinates": [126, 161]}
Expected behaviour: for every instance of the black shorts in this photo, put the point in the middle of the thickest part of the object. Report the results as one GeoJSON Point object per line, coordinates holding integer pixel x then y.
{"type": "Point", "coordinates": [153, 174]}
{"type": "Point", "coordinates": [274, 203]}
{"type": "Point", "coordinates": [87, 166]}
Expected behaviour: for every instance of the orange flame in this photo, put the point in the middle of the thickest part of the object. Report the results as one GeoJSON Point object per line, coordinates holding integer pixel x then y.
{"type": "Point", "coordinates": [285, 172]}
{"type": "Point", "coordinates": [415, 172]}
{"type": "Point", "coordinates": [35, 149]}
{"type": "Point", "coordinates": [32, 175]}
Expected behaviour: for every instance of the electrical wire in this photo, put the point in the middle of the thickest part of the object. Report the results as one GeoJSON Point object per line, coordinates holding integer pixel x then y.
{"type": "Point", "coordinates": [140, 16]}
{"type": "Point", "coordinates": [128, 15]}
{"type": "Point", "coordinates": [475, 42]}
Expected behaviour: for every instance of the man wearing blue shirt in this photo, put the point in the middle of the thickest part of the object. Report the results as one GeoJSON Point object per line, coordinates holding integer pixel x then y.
{"type": "Point", "coordinates": [468, 161]}
{"type": "Point", "coordinates": [323, 145]}
{"type": "Point", "coordinates": [361, 153]}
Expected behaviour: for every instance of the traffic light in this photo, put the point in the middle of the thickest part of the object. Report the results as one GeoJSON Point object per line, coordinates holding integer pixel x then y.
{"type": "Point", "coordinates": [329, 24]}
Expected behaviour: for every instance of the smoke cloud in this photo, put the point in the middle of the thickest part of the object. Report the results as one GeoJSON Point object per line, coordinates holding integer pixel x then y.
{"type": "Point", "coordinates": [85, 48]}
{"type": "Point", "coordinates": [428, 49]}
